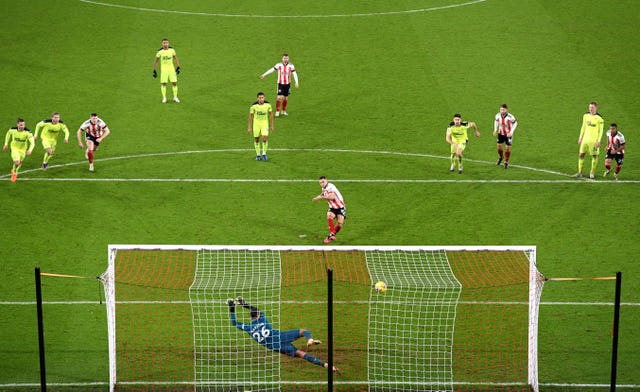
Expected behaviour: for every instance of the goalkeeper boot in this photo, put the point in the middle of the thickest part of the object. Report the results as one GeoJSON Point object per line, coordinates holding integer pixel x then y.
{"type": "Point", "coordinates": [176, 100]}
{"type": "Point", "coordinates": [164, 99]}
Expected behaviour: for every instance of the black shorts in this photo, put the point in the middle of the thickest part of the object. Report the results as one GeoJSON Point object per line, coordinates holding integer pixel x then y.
{"type": "Point", "coordinates": [619, 158]}
{"type": "Point", "coordinates": [284, 89]}
{"type": "Point", "coordinates": [96, 143]}
{"type": "Point", "coordinates": [503, 139]}
{"type": "Point", "coordinates": [339, 211]}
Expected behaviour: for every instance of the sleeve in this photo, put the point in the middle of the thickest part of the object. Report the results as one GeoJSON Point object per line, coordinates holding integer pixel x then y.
{"type": "Point", "coordinates": [269, 71]}
{"type": "Point", "coordinates": [32, 143]}
{"type": "Point", "coordinates": [295, 74]}
{"type": "Point", "coordinates": [515, 125]}
{"type": "Point", "coordinates": [240, 326]}
{"type": "Point", "coordinates": [600, 128]}
{"type": "Point", "coordinates": [158, 54]}
{"type": "Point", "coordinates": [622, 141]}
{"type": "Point", "coordinates": [584, 126]}
{"type": "Point", "coordinates": [65, 129]}
{"type": "Point", "coordinates": [38, 128]}
{"type": "Point", "coordinates": [496, 122]}
{"type": "Point", "coordinates": [7, 138]}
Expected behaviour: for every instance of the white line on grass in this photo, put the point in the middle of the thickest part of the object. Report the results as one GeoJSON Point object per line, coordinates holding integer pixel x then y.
{"type": "Point", "coordinates": [31, 303]}
{"type": "Point", "coordinates": [234, 150]}
{"type": "Point", "coordinates": [412, 11]}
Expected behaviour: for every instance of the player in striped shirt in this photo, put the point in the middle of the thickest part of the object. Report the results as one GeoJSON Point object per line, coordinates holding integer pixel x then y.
{"type": "Point", "coordinates": [95, 131]}
{"type": "Point", "coordinates": [285, 71]}
{"type": "Point", "coordinates": [337, 209]}
{"type": "Point", "coordinates": [264, 334]}
{"type": "Point", "coordinates": [22, 143]}
{"type": "Point", "coordinates": [504, 126]}
{"type": "Point", "coordinates": [615, 150]}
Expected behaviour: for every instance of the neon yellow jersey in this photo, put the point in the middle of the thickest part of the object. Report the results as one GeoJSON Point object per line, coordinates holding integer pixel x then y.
{"type": "Point", "coordinates": [19, 140]}
{"type": "Point", "coordinates": [459, 133]}
{"type": "Point", "coordinates": [50, 130]}
{"type": "Point", "coordinates": [166, 58]}
{"type": "Point", "coordinates": [260, 113]}
{"type": "Point", "coordinates": [592, 127]}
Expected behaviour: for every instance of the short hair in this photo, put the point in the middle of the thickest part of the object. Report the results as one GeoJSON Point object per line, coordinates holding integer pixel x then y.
{"type": "Point", "coordinates": [457, 115]}
{"type": "Point", "coordinates": [504, 105]}
{"type": "Point", "coordinates": [594, 103]}
{"type": "Point", "coordinates": [54, 114]}
{"type": "Point", "coordinates": [322, 178]}
{"type": "Point", "coordinates": [94, 114]}
{"type": "Point", "coordinates": [285, 54]}
{"type": "Point", "coordinates": [259, 94]}
{"type": "Point", "coordinates": [165, 39]}
{"type": "Point", "coordinates": [20, 119]}
{"type": "Point", "coordinates": [614, 125]}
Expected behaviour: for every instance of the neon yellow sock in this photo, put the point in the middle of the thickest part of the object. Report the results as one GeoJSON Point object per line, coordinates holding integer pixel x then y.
{"type": "Point", "coordinates": [163, 89]}
{"type": "Point", "coordinates": [46, 157]}
{"type": "Point", "coordinates": [175, 91]}
{"type": "Point", "coordinates": [594, 164]}
{"type": "Point", "coordinates": [257, 146]}
{"type": "Point", "coordinates": [265, 145]}
{"type": "Point", "coordinates": [459, 162]}
{"type": "Point", "coordinates": [453, 159]}
{"type": "Point", "coordinates": [16, 168]}
{"type": "Point", "coordinates": [580, 164]}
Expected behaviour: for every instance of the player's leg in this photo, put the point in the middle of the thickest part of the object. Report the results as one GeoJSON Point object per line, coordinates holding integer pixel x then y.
{"type": "Point", "coordinates": [607, 166]}
{"type": "Point", "coordinates": [339, 223]}
{"type": "Point", "coordinates": [584, 147]}
{"type": "Point", "coordinates": [174, 82]}
{"type": "Point", "coordinates": [594, 162]}
{"type": "Point", "coordinates": [619, 162]}
{"type": "Point", "coordinates": [507, 153]}
{"type": "Point", "coordinates": [454, 148]}
{"type": "Point", "coordinates": [279, 102]}
{"type": "Point", "coordinates": [285, 101]}
{"type": "Point", "coordinates": [17, 157]}
{"type": "Point", "coordinates": [256, 142]}
{"type": "Point", "coordinates": [332, 227]}
{"type": "Point", "coordinates": [265, 142]}
{"type": "Point", "coordinates": [163, 90]}
{"type": "Point", "coordinates": [459, 152]}
{"type": "Point", "coordinates": [49, 148]}
{"type": "Point", "coordinates": [500, 152]}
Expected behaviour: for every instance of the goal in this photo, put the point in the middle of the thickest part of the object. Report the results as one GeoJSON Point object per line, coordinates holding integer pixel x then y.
{"type": "Point", "coordinates": [452, 318]}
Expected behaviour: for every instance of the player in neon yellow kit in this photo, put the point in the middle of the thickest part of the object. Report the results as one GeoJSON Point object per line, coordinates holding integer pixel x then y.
{"type": "Point", "coordinates": [49, 130]}
{"type": "Point", "coordinates": [457, 136]}
{"type": "Point", "coordinates": [167, 57]}
{"type": "Point", "coordinates": [19, 137]}
{"type": "Point", "coordinates": [589, 140]}
{"type": "Point", "coordinates": [260, 122]}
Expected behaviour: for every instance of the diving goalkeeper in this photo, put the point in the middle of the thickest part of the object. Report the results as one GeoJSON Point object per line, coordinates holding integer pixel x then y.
{"type": "Point", "coordinates": [263, 333]}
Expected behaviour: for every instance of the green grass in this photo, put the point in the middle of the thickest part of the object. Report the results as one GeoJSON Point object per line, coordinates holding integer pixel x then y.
{"type": "Point", "coordinates": [386, 83]}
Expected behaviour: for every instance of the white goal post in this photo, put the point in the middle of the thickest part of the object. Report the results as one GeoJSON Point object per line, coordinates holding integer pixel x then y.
{"type": "Point", "coordinates": [453, 317]}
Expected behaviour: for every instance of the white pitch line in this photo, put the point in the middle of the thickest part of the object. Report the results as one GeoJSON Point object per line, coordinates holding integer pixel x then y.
{"type": "Point", "coordinates": [413, 11]}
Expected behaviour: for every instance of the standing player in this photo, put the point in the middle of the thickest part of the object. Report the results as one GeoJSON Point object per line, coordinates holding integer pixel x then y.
{"type": "Point", "coordinates": [50, 129]}
{"type": "Point", "coordinates": [615, 150]}
{"type": "Point", "coordinates": [458, 138]}
{"type": "Point", "coordinates": [95, 131]}
{"type": "Point", "coordinates": [285, 70]}
{"type": "Point", "coordinates": [168, 57]}
{"type": "Point", "coordinates": [504, 126]}
{"type": "Point", "coordinates": [281, 341]}
{"type": "Point", "coordinates": [589, 140]}
{"type": "Point", "coordinates": [337, 209]}
{"type": "Point", "coordinates": [19, 136]}
{"type": "Point", "coordinates": [260, 121]}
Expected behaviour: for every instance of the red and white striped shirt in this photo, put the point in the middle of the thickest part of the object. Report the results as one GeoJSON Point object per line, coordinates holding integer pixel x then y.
{"type": "Point", "coordinates": [505, 124]}
{"type": "Point", "coordinates": [92, 129]}
{"type": "Point", "coordinates": [337, 201]}
{"type": "Point", "coordinates": [284, 73]}
{"type": "Point", "coordinates": [615, 142]}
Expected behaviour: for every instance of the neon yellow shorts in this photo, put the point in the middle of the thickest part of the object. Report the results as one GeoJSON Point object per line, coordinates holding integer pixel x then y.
{"type": "Point", "coordinates": [18, 155]}
{"type": "Point", "coordinates": [588, 147]}
{"type": "Point", "coordinates": [260, 130]}
{"type": "Point", "coordinates": [168, 75]}
{"type": "Point", "coordinates": [454, 147]}
{"type": "Point", "coordinates": [49, 143]}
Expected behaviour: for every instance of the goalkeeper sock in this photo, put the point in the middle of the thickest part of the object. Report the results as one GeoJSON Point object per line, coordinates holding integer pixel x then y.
{"type": "Point", "coordinates": [594, 164]}
{"type": "Point", "coordinates": [163, 89]}
{"type": "Point", "coordinates": [175, 91]}
{"type": "Point", "coordinates": [306, 334]}
{"type": "Point", "coordinates": [580, 164]}
{"type": "Point", "coordinates": [265, 145]}
{"type": "Point", "coordinates": [257, 146]}
{"type": "Point", "coordinates": [313, 359]}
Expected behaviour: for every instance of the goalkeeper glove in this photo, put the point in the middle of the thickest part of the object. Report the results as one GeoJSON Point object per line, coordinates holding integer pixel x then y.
{"type": "Point", "coordinates": [241, 301]}
{"type": "Point", "coordinates": [232, 305]}
{"type": "Point", "coordinates": [178, 71]}
{"type": "Point", "coordinates": [155, 74]}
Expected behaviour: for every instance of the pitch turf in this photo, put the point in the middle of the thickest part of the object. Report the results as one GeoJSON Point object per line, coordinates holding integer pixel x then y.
{"type": "Point", "coordinates": [377, 91]}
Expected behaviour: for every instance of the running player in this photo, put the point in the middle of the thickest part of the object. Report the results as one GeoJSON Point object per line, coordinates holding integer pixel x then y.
{"type": "Point", "coordinates": [260, 121]}
{"type": "Point", "coordinates": [504, 126]}
{"type": "Point", "coordinates": [337, 210]}
{"type": "Point", "coordinates": [457, 136]}
{"type": "Point", "coordinates": [285, 71]}
{"type": "Point", "coordinates": [281, 341]}
{"type": "Point", "coordinates": [167, 57]}
{"type": "Point", "coordinates": [49, 129]}
{"type": "Point", "coordinates": [18, 137]}
{"type": "Point", "coordinates": [615, 150]}
{"type": "Point", "coordinates": [95, 131]}
{"type": "Point", "coordinates": [589, 140]}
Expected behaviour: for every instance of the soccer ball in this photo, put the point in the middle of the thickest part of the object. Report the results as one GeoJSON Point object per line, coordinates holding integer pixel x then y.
{"type": "Point", "coordinates": [380, 287]}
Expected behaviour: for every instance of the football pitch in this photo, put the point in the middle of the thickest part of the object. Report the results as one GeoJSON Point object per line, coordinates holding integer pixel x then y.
{"type": "Point", "coordinates": [379, 84]}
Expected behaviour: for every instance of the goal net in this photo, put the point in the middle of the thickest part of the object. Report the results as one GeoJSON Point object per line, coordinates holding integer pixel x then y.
{"type": "Point", "coordinates": [452, 318]}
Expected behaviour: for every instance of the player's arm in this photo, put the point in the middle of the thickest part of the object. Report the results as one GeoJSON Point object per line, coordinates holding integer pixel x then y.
{"type": "Point", "coordinates": [295, 77]}
{"type": "Point", "coordinates": [267, 72]}
{"type": "Point", "coordinates": [7, 139]}
{"type": "Point", "coordinates": [176, 62]}
{"type": "Point", "coordinates": [32, 144]}
{"type": "Point", "coordinates": [155, 65]}
{"type": "Point", "coordinates": [448, 137]}
{"type": "Point", "coordinates": [39, 127]}
{"type": "Point", "coordinates": [583, 128]}
{"type": "Point", "coordinates": [105, 132]}
{"type": "Point", "coordinates": [475, 128]}
{"type": "Point", "coordinates": [271, 121]}
{"type": "Point", "coordinates": [514, 125]}
{"type": "Point", "coordinates": [250, 126]}
{"type": "Point", "coordinates": [600, 131]}
{"type": "Point", "coordinates": [79, 136]}
{"type": "Point", "coordinates": [495, 126]}
{"type": "Point", "coordinates": [66, 133]}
